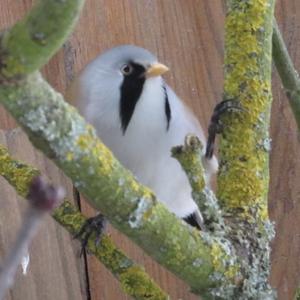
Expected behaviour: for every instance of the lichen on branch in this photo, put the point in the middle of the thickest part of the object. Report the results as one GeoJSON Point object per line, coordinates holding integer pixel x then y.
{"type": "Point", "coordinates": [18, 174]}
{"type": "Point", "coordinates": [245, 144]}
{"type": "Point", "coordinates": [230, 262]}
{"type": "Point", "coordinates": [140, 286]}
{"type": "Point", "coordinates": [62, 134]}
{"type": "Point", "coordinates": [190, 157]}
{"type": "Point", "coordinates": [31, 42]}
{"type": "Point", "coordinates": [55, 128]}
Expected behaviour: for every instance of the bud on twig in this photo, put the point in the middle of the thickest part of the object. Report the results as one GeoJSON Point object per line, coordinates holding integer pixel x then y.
{"type": "Point", "coordinates": [42, 198]}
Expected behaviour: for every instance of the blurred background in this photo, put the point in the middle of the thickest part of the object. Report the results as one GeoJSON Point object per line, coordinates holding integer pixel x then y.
{"type": "Point", "coordinates": [188, 37]}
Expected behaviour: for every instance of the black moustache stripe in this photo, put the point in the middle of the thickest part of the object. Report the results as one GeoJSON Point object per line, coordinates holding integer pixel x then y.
{"type": "Point", "coordinates": [167, 108]}
{"type": "Point", "coordinates": [131, 90]}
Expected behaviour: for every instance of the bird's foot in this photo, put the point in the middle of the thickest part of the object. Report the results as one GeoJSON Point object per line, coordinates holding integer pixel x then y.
{"type": "Point", "coordinates": [216, 126]}
{"type": "Point", "coordinates": [92, 226]}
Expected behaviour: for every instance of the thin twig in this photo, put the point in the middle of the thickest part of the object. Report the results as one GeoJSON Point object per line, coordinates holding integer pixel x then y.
{"type": "Point", "coordinates": [190, 158]}
{"type": "Point", "coordinates": [132, 277]}
{"type": "Point", "coordinates": [287, 72]}
{"type": "Point", "coordinates": [42, 198]}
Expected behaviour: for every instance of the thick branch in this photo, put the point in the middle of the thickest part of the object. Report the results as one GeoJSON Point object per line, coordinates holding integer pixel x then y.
{"type": "Point", "coordinates": [56, 128]}
{"type": "Point", "coordinates": [203, 260]}
{"type": "Point", "coordinates": [244, 146]}
{"type": "Point", "coordinates": [287, 72]}
{"type": "Point", "coordinates": [32, 41]}
{"type": "Point", "coordinates": [134, 280]}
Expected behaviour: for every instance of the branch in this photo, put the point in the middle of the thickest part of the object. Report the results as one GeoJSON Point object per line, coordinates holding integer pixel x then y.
{"type": "Point", "coordinates": [32, 41]}
{"type": "Point", "coordinates": [287, 72]}
{"type": "Point", "coordinates": [42, 198]}
{"type": "Point", "coordinates": [133, 279]}
{"type": "Point", "coordinates": [62, 134]}
{"type": "Point", "coordinates": [244, 145]}
{"type": "Point", "coordinates": [243, 178]}
{"type": "Point", "coordinates": [297, 294]}
{"type": "Point", "coordinates": [206, 261]}
{"type": "Point", "coordinates": [189, 156]}
{"type": "Point", "coordinates": [56, 128]}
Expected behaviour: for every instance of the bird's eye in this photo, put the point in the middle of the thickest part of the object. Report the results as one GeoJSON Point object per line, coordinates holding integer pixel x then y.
{"type": "Point", "coordinates": [126, 69]}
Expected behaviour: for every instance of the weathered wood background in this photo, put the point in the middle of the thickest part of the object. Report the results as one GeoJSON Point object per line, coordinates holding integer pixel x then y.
{"type": "Point", "coordinates": [187, 35]}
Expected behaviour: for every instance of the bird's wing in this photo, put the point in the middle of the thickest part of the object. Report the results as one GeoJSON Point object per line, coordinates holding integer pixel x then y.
{"type": "Point", "coordinates": [185, 122]}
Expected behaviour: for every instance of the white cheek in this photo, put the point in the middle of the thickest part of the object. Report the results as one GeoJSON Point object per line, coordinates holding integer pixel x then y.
{"type": "Point", "coordinates": [103, 102]}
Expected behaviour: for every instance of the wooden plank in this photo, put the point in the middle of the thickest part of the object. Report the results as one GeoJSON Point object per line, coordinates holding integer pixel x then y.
{"type": "Point", "coordinates": [168, 28]}
{"type": "Point", "coordinates": [55, 271]}
{"type": "Point", "coordinates": [188, 37]}
{"type": "Point", "coordinates": [284, 204]}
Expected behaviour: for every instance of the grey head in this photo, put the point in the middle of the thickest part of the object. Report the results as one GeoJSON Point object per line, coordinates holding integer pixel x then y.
{"type": "Point", "coordinates": [115, 58]}
{"type": "Point", "coordinates": [119, 75]}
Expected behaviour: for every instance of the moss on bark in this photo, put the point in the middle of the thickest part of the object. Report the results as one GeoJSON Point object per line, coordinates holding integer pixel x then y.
{"type": "Point", "coordinates": [133, 279]}
{"type": "Point", "coordinates": [32, 41]}
{"type": "Point", "coordinates": [244, 146]}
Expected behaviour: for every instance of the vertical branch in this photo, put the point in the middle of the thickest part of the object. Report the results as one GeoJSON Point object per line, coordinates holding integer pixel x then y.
{"type": "Point", "coordinates": [57, 129]}
{"type": "Point", "coordinates": [244, 145]}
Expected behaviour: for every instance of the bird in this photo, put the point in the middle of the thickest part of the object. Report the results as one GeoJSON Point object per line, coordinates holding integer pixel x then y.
{"type": "Point", "coordinates": [139, 117]}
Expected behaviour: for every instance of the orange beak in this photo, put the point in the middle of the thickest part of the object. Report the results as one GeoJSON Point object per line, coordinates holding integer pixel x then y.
{"type": "Point", "coordinates": [156, 69]}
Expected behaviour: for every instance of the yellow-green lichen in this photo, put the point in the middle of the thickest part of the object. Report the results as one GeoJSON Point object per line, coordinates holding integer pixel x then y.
{"type": "Point", "coordinates": [189, 156]}
{"type": "Point", "coordinates": [133, 279]}
{"type": "Point", "coordinates": [19, 175]}
{"type": "Point", "coordinates": [56, 129]}
{"type": "Point", "coordinates": [69, 156]}
{"type": "Point", "coordinates": [217, 254]}
{"type": "Point", "coordinates": [135, 283]}
{"type": "Point", "coordinates": [16, 173]}
{"type": "Point", "coordinates": [85, 141]}
{"type": "Point", "coordinates": [89, 145]}
{"type": "Point", "coordinates": [29, 44]}
{"type": "Point", "coordinates": [221, 259]}
{"type": "Point", "coordinates": [243, 178]}
{"type": "Point", "coordinates": [232, 272]}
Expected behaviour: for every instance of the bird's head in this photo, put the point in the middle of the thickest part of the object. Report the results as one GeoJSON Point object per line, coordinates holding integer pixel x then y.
{"type": "Point", "coordinates": [115, 81]}
{"type": "Point", "coordinates": [129, 61]}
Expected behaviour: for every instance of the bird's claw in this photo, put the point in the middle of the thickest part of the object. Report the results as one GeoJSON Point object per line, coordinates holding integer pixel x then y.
{"type": "Point", "coordinates": [94, 225]}
{"type": "Point", "coordinates": [216, 126]}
